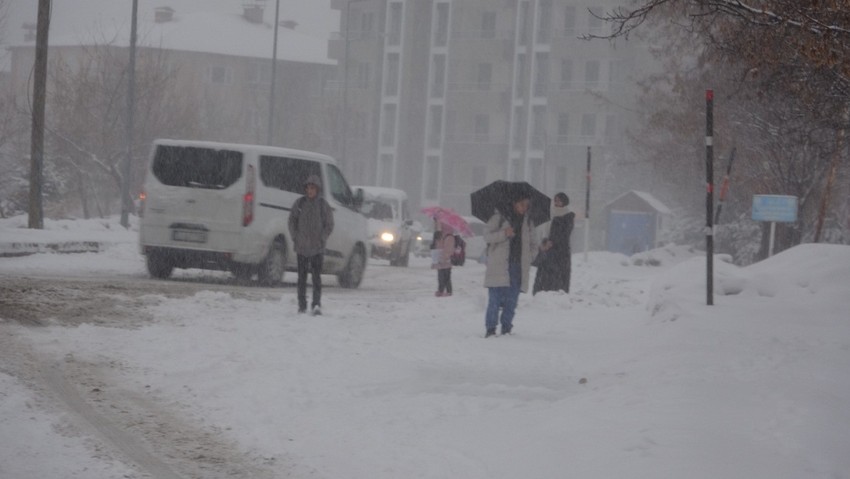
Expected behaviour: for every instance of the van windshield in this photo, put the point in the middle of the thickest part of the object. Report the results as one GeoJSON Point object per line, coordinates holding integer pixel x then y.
{"type": "Point", "coordinates": [377, 210]}
{"type": "Point", "coordinates": [195, 167]}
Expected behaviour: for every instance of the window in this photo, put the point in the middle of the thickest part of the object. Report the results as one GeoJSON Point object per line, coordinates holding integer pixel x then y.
{"type": "Point", "coordinates": [287, 174]}
{"type": "Point", "coordinates": [563, 127]}
{"type": "Point", "coordinates": [394, 33]}
{"type": "Point", "coordinates": [435, 130]}
{"type": "Point", "coordinates": [544, 21]}
{"type": "Point", "coordinates": [197, 167]}
{"type": "Point", "coordinates": [610, 127]}
{"type": "Point", "coordinates": [591, 73]}
{"type": "Point", "coordinates": [588, 125]}
{"type": "Point", "coordinates": [391, 86]}
{"type": "Point", "coordinates": [541, 74]}
{"type": "Point", "coordinates": [538, 127]}
{"type": "Point", "coordinates": [482, 128]}
{"type": "Point", "coordinates": [451, 125]}
{"type": "Point", "coordinates": [479, 177]}
{"type": "Point", "coordinates": [338, 187]}
{"type": "Point", "coordinates": [594, 22]}
{"type": "Point", "coordinates": [432, 175]}
{"type": "Point", "coordinates": [388, 133]}
{"type": "Point", "coordinates": [535, 171]}
{"type": "Point", "coordinates": [386, 173]}
{"type": "Point", "coordinates": [560, 177]}
{"type": "Point", "coordinates": [518, 134]}
{"type": "Point", "coordinates": [488, 25]}
{"type": "Point", "coordinates": [566, 74]}
{"type": "Point", "coordinates": [520, 73]}
{"type": "Point", "coordinates": [441, 35]}
{"type": "Point", "coordinates": [485, 75]}
{"type": "Point", "coordinates": [367, 23]}
{"type": "Point", "coordinates": [438, 85]}
{"type": "Point", "coordinates": [569, 20]}
{"type": "Point", "coordinates": [517, 170]}
{"type": "Point", "coordinates": [523, 23]}
{"type": "Point", "coordinates": [364, 73]}
{"type": "Point", "coordinates": [260, 73]}
{"type": "Point", "coordinates": [219, 74]}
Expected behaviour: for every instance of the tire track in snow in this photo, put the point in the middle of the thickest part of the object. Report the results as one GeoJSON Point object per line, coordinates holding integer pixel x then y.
{"type": "Point", "coordinates": [126, 444]}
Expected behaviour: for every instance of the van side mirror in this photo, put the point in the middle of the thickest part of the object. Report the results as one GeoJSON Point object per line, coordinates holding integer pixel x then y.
{"type": "Point", "coordinates": [358, 199]}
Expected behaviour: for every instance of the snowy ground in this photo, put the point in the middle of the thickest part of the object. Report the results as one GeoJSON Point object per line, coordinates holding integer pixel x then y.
{"type": "Point", "coordinates": [630, 375]}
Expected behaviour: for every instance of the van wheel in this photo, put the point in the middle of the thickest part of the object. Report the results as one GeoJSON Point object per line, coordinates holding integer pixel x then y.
{"type": "Point", "coordinates": [158, 265]}
{"type": "Point", "coordinates": [352, 275]}
{"type": "Point", "coordinates": [270, 272]}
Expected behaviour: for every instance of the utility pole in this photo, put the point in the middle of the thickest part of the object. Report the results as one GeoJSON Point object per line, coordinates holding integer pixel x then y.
{"type": "Point", "coordinates": [36, 211]}
{"type": "Point", "coordinates": [709, 195]}
{"type": "Point", "coordinates": [126, 201]}
{"type": "Point", "coordinates": [274, 72]}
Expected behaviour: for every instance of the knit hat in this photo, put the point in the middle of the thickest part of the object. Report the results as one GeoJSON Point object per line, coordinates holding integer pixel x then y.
{"type": "Point", "coordinates": [313, 180]}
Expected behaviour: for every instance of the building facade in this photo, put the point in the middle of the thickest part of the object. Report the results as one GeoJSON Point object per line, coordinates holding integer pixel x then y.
{"type": "Point", "coordinates": [445, 96]}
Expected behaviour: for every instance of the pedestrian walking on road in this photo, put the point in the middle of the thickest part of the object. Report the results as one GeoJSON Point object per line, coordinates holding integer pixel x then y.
{"type": "Point", "coordinates": [310, 224]}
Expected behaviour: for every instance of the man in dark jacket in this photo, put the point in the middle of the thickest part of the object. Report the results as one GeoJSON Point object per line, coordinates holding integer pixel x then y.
{"type": "Point", "coordinates": [310, 224]}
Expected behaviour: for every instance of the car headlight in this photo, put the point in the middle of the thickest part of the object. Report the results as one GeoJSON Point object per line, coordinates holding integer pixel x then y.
{"type": "Point", "coordinates": [388, 237]}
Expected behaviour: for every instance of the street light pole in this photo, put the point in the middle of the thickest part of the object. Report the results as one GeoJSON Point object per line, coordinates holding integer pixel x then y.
{"type": "Point", "coordinates": [274, 72]}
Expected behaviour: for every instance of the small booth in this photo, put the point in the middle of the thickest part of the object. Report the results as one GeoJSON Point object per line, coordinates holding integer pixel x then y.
{"type": "Point", "coordinates": [634, 220]}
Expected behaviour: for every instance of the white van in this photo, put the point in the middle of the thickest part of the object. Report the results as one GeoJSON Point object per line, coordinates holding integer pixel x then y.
{"type": "Point", "coordinates": [392, 232]}
{"type": "Point", "coordinates": [226, 207]}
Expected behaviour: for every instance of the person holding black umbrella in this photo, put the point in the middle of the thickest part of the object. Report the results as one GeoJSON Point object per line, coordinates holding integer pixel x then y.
{"type": "Point", "coordinates": [511, 246]}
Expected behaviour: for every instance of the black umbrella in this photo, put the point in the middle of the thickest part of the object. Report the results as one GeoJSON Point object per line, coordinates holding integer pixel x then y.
{"type": "Point", "coordinates": [500, 195]}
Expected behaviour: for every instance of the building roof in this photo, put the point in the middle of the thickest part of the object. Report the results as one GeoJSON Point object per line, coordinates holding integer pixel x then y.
{"type": "Point", "coordinates": [650, 200]}
{"type": "Point", "coordinates": [219, 28]}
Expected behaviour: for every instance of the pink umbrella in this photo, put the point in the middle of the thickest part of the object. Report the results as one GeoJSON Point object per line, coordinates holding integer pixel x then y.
{"type": "Point", "coordinates": [449, 219]}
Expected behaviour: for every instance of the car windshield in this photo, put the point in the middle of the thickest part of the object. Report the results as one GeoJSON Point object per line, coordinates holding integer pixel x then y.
{"type": "Point", "coordinates": [377, 210]}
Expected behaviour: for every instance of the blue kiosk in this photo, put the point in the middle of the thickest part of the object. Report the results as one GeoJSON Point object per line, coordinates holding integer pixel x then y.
{"type": "Point", "coordinates": [634, 220]}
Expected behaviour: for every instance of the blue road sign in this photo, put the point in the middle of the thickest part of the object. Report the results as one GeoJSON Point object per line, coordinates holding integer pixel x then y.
{"type": "Point", "coordinates": [776, 208]}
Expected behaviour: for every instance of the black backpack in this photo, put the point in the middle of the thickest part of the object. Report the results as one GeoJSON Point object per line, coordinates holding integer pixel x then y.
{"type": "Point", "coordinates": [459, 255]}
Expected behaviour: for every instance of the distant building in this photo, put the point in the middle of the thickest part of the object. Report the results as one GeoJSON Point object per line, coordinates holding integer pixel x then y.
{"type": "Point", "coordinates": [445, 96]}
{"type": "Point", "coordinates": [223, 61]}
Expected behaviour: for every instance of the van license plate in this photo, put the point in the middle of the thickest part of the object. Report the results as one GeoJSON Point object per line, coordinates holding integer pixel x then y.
{"type": "Point", "coordinates": [192, 236]}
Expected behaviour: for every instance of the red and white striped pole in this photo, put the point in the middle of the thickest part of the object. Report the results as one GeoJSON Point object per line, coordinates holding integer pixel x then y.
{"type": "Point", "coordinates": [587, 209]}
{"type": "Point", "coordinates": [709, 195]}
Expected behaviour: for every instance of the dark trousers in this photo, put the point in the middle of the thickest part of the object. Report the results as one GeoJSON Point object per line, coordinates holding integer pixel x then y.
{"type": "Point", "coordinates": [444, 280]}
{"type": "Point", "coordinates": [314, 265]}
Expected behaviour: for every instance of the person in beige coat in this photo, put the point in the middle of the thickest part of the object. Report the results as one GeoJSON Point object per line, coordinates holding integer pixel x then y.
{"type": "Point", "coordinates": [511, 246]}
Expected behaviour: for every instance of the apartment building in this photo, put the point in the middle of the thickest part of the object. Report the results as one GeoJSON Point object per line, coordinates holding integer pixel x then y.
{"type": "Point", "coordinates": [445, 96]}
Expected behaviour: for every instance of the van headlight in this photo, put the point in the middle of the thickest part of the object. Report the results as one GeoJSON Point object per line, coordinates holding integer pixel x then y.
{"type": "Point", "coordinates": [387, 237]}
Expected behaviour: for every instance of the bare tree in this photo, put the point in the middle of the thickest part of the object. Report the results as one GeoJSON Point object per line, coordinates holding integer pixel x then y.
{"type": "Point", "coordinates": [785, 143]}
{"type": "Point", "coordinates": [87, 114]}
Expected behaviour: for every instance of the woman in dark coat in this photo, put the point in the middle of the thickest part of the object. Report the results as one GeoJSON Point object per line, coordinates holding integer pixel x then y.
{"type": "Point", "coordinates": [553, 270]}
